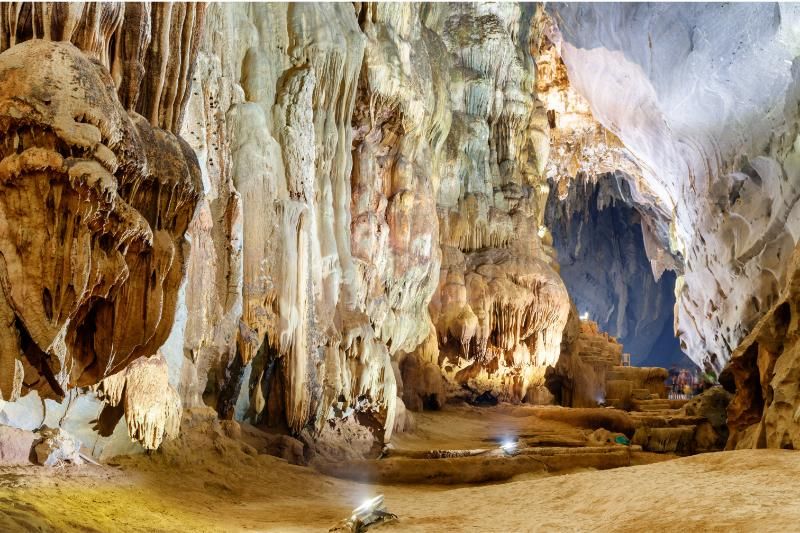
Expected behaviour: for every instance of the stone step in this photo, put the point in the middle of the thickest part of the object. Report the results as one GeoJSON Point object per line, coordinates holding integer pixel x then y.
{"type": "Point", "coordinates": [615, 402]}
{"type": "Point", "coordinates": [492, 466]}
{"type": "Point", "coordinates": [641, 394]}
{"type": "Point", "coordinates": [656, 401]}
{"type": "Point", "coordinates": [668, 439]}
{"type": "Point", "coordinates": [652, 405]}
{"type": "Point", "coordinates": [651, 408]}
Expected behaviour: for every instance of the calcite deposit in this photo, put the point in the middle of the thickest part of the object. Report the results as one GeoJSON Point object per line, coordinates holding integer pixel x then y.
{"type": "Point", "coordinates": [321, 217]}
{"type": "Point", "coordinates": [301, 215]}
{"type": "Point", "coordinates": [96, 198]}
{"type": "Point", "coordinates": [501, 306]}
{"type": "Point", "coordinates": [395, 167]}
{"type": "Point", "coordinates": [764, 375]}
{"type": "Point", "coordinates": [95, 204]}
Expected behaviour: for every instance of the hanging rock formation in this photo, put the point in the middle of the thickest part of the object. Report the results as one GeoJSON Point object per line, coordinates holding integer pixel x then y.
{"type": "Point", "coordinates": [501, 306]}
{"type": "Point", "coordinates": [313, 216]}
{"type": "Point", "coordinates": [345, 148]}
{"type": "Point", "coordinates": [360, 184]}
{"type": "Point", "coordinates": [95, 203]}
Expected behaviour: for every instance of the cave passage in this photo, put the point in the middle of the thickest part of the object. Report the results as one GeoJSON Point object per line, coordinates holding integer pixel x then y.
{"type": "Point", "coordinates": [597, 233]}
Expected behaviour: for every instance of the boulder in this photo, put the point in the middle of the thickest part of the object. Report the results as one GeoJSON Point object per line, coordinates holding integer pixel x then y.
{"type": "Point", "coordinates": [15, 445]}
{"type": "Point", "coordinates": [56, 448]}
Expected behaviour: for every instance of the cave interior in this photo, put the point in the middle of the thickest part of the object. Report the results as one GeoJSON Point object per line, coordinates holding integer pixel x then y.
{"type": "Point", "coordinates": [347, 266]}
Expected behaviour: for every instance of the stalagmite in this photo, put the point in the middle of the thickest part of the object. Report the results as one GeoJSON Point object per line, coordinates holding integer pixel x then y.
{"type": "Point", "coordinates": [151, 405]}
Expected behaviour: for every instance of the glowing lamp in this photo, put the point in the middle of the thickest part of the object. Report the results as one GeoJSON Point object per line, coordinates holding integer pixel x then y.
{"type": "Point", "coordinates": [509, 446]}
{"type": "Point", "coordinates": [369, 513]}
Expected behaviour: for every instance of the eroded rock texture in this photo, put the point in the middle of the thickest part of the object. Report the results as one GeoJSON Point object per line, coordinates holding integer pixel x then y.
{"type": "Point", "coordinates": [578, 379]}
{"type": "Point", "coordinates": [500, 307]}
{"type": "Point", "coordinates": [764, 375]}
{"type": "Point", "coordinates": [95, 203]}
{"type": "Point", "coordinates": [370, 186]}
{"type": "Point", "coordinates": [704, 98]}
{"type": "Point", "coordinates": [92, 232]}
{"type": "Point", "coordinates": [360, 163]}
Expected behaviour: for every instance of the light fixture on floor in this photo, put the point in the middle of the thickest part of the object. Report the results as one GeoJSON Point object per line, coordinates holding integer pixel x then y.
{"type": "Point", "coordinates": [509, 447]}
{"type": "Point", "coordinates": [370, 513]}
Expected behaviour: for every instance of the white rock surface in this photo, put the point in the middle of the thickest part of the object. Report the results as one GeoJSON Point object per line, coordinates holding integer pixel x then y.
{"type": "Point", "coordinates": [704, 96]}
{"type": "Point", "coordinates": [57, 448]}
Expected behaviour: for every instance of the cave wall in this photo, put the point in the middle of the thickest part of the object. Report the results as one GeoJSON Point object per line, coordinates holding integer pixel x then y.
{"type": "Point", "coordinates": [426, 190]}
{"type": "Point", "coordinates": [764, 375]}
{"type": "Point", "coordinates": [598, 236]}
{"type": "Point", "coordinates": [333, 207]}
{"type": "Point", "coordinates": [500, 306]}
{"type": "Point", "coordinates": [307, 215]}
{"type": "Point", "coordinates": [704, 99]}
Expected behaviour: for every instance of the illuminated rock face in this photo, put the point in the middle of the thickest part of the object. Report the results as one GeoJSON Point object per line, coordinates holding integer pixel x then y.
{"type": "Point", "coordinates": [387, 175]}
{"type": "Point", "coordinates": [704, 98]}
{"type": "Point", "coordinates": [95, 202]}
{"type": "Point", "coordinates": [579, 378]}
{"type": "Point", "coordinates": [426, 206]}
{"type": "Point", "coordinates": [312, 215]}
{"type": "Point", "coordinates": [315, 216]}
{"type": "Point", "coordinates": [764, 374]}
{"type": "Point", "coordinates": [353, 187]}
{"type": "Point", "coordinates": [97, 195]}
{"type": "Point", "coordinates": [500, 307]}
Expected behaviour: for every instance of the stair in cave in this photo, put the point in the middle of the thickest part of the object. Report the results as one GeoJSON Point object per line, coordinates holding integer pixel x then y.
{"type": "Point", "coordinates": [642, 394]}
{"type": "Point", "coordinates": [660, 404]}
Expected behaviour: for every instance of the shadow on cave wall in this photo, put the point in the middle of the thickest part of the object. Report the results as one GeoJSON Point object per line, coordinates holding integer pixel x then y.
{"type": "Point", "coordinates": [598, 237]}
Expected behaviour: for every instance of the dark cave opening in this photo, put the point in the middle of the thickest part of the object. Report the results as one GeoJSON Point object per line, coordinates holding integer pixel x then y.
{"type": "Point", "coordinates": [597, 233]}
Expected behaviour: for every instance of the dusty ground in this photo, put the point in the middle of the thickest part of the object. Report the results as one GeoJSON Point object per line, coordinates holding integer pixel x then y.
{"type": "Point", "coordinates": [222, 486]}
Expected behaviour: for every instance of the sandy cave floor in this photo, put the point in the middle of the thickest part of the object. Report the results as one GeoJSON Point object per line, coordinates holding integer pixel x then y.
{"type": "Point", "coordinates": [218, 487]}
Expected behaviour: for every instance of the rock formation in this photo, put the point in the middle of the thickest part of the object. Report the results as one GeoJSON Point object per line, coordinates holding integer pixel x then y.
{"type": "Point", "coordinates": [319, 216]}
{"type": "Point", "coordinates": [579, 378]}
{"type": "Point", "coordinates": [500, 307]}
{"type": "Point", "coordinates": [764, 375]}
{"type": "Point", "coordinates": [369, 183]}
{"type": "Point", "coordinates": [95, 204]}
{"type": "Point", "coordinates": [670, 84]}
{"type": "Point", "coordinates": [365, 158]}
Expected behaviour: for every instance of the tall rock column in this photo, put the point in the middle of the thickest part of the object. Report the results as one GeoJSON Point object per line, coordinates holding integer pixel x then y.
{"type": "Point", "coordinates": [501, 307]}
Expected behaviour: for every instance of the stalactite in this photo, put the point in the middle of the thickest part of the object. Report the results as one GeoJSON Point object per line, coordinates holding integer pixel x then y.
{"type": "Point", "coordinates": [92, 264]}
